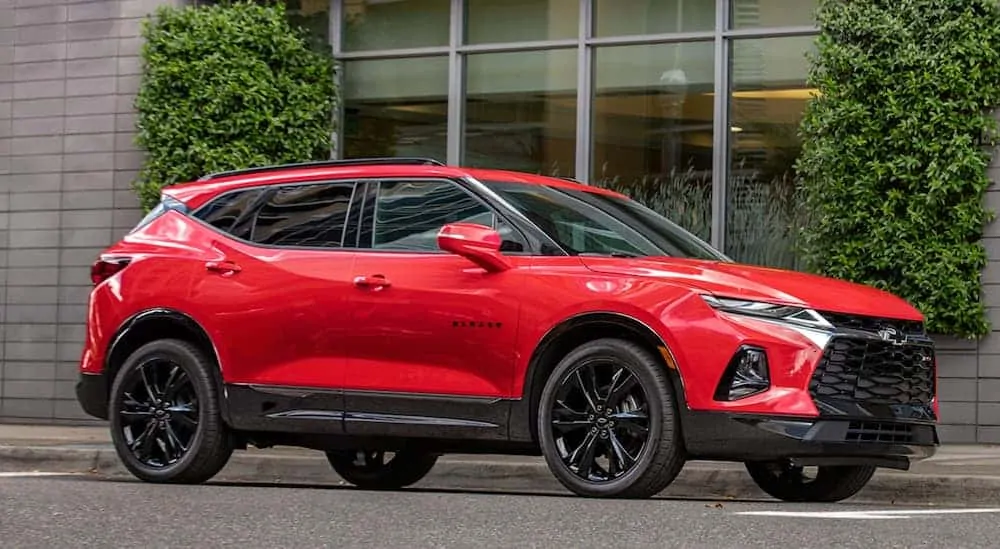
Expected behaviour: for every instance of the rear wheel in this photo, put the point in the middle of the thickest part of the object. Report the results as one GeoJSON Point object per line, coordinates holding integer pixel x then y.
{"type": "Point", "coordinates": [376, 470]}
{"type": "Point", "coordinates": [164, 413]}
{"type": "Point", "coordinates": [827, 484]}
{"type": "Point", "coordinates": [607, 422]}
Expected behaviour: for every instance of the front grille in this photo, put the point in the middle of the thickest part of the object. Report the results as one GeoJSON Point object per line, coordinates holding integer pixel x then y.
{"type": "Point", "coordinates": [874, 325]}
{"type": "Point", "coordinates": [877, 431]}
{"type": "Point", "coordinates": [874, 372]}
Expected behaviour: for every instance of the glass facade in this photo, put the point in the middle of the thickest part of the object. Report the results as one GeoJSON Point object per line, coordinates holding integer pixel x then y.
{"type": "Point", "coordinates": [689, 106]}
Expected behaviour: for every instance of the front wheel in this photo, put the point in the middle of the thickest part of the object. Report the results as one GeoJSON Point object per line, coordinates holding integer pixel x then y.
{"type": "Point", "coordinates": [373, 470]}
{"type": "Point", "coordinates": [607, 422]}
{"type": "Point", "coordinates": [789, 482]}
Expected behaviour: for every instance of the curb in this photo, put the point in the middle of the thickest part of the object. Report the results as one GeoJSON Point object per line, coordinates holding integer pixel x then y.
{"type": "Point", "coordinates": [529, 476]}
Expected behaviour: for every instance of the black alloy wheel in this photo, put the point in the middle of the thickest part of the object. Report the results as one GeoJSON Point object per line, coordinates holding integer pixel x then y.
{"type": "Point", "coordinates": [159, 412]}
{"type": "Point", "coordinates": [607, 422]}
{"type": "Point", "coordinates": [165, 418]}
{"type": "Point", "coordinates": [377, 470]}
{"type": "Point", "coordinates": [825, 484]}
{"type": "Point", "coordinates": [600, 421]}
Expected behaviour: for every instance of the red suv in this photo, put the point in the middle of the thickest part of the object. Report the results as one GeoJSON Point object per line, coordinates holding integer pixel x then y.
{"type": "Point", "coordinates": [388, 311]}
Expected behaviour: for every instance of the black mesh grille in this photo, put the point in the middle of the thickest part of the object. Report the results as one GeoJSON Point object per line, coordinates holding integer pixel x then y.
{"type": "Point", "coordinates": [874, 372]}
{"type": "Point", "coordinates": [873, 324]}
{"type": "Point", "coordinates": [876, 431]}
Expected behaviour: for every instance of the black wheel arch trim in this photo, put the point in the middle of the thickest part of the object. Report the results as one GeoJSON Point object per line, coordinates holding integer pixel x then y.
{"type": "Point", "coordinates": [132, 323]}
{"type": "Point", "coordinates": [523, 411]}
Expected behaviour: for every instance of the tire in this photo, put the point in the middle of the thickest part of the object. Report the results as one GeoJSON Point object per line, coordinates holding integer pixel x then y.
{"type": "Point", "coordinates": [370, 470]}
{"type": "Point", "coordinates": [783, 481]}
{"type": "Point", "coordinates": [654, 444]}
{"type": "Point", "coordinates": [186, 440]}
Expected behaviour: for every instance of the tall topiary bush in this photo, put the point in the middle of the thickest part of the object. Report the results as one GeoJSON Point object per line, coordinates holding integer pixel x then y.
{"type": "Point", "coordinates": [893, 165]}
{"type": "Point", "coordinates": [227, 87]}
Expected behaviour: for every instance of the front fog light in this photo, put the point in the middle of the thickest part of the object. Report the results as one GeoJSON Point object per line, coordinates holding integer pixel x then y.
{"type": "Point", "coordinates": [747, 374]}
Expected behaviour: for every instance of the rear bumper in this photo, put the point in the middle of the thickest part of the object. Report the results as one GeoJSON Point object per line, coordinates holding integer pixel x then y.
{"type": "Point", "coordinates": [809, 441]}
{"type": "Point", "coordinates": [92, 394]}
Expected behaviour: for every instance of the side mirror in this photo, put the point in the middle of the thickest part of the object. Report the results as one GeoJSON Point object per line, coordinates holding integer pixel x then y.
{"type": "Point", "coordinates": [477, 243]}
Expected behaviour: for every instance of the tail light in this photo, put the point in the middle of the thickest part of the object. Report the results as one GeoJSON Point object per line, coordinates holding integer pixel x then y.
{"type": "Point", "coordinates": [105, 268]}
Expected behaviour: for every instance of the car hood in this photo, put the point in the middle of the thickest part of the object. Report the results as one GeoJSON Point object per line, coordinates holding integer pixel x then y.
{"type": "Point", "coordinates": [763, 284]}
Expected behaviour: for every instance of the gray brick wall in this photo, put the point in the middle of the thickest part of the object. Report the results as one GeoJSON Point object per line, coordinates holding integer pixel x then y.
{"type": "Point", "coordinates": [68, 75]}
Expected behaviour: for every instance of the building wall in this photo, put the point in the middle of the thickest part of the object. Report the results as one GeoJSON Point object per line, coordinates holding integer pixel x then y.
{"type": "Point", "coordinates": [970, 371]}
{"type": "Point", "coordinates": [68, 74]}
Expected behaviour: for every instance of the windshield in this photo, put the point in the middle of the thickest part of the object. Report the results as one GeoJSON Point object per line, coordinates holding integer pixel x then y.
{"type": "Point", "coordinates": [586, 223]}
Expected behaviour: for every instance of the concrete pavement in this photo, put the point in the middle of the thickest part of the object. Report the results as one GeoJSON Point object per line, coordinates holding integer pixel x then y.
{"type": "Point", "coordinates": [957, 475]}
{"type": "Point", "coordinates": [76, 512]}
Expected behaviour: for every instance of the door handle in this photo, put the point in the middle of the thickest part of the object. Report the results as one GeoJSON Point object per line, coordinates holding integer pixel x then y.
{"type": "Point", "coordinates": [226, 268]}
{"type": "Point", "coordinates": [376, 282]}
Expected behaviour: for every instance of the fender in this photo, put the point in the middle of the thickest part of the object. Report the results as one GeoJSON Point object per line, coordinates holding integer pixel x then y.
{"type": "Point", "coordinates": [135, 323]}
{"type": "Point", "coordinates": [521, 424]}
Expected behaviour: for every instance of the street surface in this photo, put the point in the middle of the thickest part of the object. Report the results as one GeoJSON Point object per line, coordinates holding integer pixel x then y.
{"type": "Point", "coordinates": [86, 511]}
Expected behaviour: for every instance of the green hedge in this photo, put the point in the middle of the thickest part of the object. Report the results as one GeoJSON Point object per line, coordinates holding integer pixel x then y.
{"type": "Point", "coordinates": [228, 87]}
{"type": "Point", "coordinates": [895, 151]}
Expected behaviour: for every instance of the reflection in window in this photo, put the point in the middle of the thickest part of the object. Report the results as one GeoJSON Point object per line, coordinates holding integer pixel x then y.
{"type": "Point", "coordinates": [772, 13]}
{"type": "Point", "coordinates": [307, 215]}
{"type": "Point", "coordinates": [629, 17]}
{"type": "Point", "coordinates": [521, 20]}
{"type": "Point", "coordinates": [228, 213]}
{"type": "Point", "coordinates": [520, 111]}
{"type": "Point", "coordinates": [409, 215]}
{"type": "Point", "coordinates": [381, 25]}
{"type": "Point", "coordinates": [767, 102]}
{"type": "Point", "coordinates": [652, 128]}
{"type": "Point", "coordinates": [396, 107]}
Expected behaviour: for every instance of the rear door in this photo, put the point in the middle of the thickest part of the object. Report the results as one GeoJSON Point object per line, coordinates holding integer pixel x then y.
{"type": "Point", "coordinates": [277, 286]}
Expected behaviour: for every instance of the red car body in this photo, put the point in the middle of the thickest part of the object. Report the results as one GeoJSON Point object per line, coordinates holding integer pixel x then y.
{"type": "Point", "coordinates": [327, 346]}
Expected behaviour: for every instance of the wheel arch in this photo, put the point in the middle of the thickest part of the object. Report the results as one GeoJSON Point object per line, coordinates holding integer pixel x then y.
{"type": "Point", "coordinates": [570, 333]}
{"type": "Point", "coordinates": [162, 323]}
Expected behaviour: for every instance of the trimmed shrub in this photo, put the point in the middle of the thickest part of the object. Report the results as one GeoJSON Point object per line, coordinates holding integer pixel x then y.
{"type": "Point", "coordinates": [229, 87]}
{"type": "Point", "coordinates": [895, 151]}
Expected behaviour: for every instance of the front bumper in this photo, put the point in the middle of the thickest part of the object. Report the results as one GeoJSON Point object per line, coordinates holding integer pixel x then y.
{"type": "Point", "coordinates": [809, 441]}
{"type": "Point", "coordinates": [92, 394]}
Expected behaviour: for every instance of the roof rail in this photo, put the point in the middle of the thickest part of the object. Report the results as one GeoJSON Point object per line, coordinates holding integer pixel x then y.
{"type": "Point", "coordinates": [380, 161]}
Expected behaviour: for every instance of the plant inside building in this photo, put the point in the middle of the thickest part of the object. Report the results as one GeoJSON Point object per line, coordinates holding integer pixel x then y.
{"type": "Point", "coordinates": [229, 86]}
{"type": "Point", "coordinates": [896, 148]}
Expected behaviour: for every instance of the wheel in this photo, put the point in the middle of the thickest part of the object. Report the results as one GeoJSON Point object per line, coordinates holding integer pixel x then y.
{"type": "Point", "coordinates": [164, 412]}
{"type": "Point", "coordinates": [372, 471]}
{"type": "Point", "coordinates": [607, 422]}
{"type": "Point", "coordinates": [788, 482]}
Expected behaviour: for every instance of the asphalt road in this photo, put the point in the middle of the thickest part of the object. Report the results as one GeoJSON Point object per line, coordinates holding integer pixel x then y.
{"type": "Point", "coordinates": [79, 511]}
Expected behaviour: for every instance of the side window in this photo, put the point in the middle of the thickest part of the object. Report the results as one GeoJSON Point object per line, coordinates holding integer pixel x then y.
{"type": "Point", "coordinates": [304, 215]}
{"type": "Point", "coordinates": [225, 211]}
{"type": "Point", "coordinates": [409, 214]}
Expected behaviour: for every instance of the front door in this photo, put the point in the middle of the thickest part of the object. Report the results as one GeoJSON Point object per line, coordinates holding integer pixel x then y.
{"type": "Point", "coordinates": [432, 334]}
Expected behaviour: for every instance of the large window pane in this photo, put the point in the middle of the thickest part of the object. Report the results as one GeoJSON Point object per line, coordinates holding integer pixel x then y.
{"type": "Point", "coordinates": [772, 13]}
{"type": "Point", "coordinates": [313, 16]}
{"type": "Point", "coordinates": [627, 17]}
{"type": "Point", "coordinates": [767, 101]}
{"type": "Point", "coordinates": [520, 111]}
{"type": "Point", "coordinates": [520, 20]}
{"type": "Point", "coordinates": [381, 25]}
{"type": "Point", "coordinates": [396, 107]}
{"type": "Point", "coordinates": [652, 128]}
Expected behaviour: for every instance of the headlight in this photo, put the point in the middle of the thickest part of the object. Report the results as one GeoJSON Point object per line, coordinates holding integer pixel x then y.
{"type": "Point", "coordinates": [773, 311]}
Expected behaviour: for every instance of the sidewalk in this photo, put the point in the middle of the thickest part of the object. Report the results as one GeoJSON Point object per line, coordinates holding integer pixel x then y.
{"type": "Point", "coordinates": [957, 475]}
